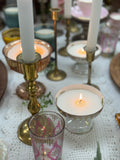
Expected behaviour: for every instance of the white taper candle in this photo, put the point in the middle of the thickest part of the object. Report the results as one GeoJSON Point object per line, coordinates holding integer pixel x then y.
{"type": "Point", "coordinates": [54, 3]}
{"type": "Point", "coordinates": [67, 8]}
{"type": "Point", "coordinates": [94, 25]}
{"type": "Point", "coordinates": [25, 13]}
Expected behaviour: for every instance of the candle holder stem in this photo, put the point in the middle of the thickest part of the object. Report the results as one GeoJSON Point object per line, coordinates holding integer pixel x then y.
{"type": "Point", "coordinates": [55, 31]}
{"type": "Point", "coordinates": [63, 50]}
{"type": "Point", "coordinates": [30, 75]}
{"type": "Point", "coordinates": [56, 74]}
{"type": "Point", "coordinates": [89, 72]}
{"type": "Point", "coordinates": [90, 59]}
{"type": "Point", "coordinates": [43, 15]}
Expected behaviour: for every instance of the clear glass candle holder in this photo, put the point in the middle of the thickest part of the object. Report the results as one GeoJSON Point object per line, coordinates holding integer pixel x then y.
{"type": "Point", "coordinates": [47, 132]}
{"type": "Point", "coordinates": [109, 35]}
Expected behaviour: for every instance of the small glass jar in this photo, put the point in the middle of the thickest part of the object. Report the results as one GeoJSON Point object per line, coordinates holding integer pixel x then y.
{"type": "Point", "coordinates": [109, 34]}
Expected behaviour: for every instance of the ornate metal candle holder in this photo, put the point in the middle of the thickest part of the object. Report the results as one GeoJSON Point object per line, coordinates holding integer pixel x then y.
{"type": "Point", "coordinates": [30, 75]}
{"type": "Point", "coordinates": [90, 59]}
{"type": "Point", "coordinates": [63, 51]}
{"type": "Point", "coordinates": [21, 90]}
{"type": "Point", "coordinates": [56, 74]}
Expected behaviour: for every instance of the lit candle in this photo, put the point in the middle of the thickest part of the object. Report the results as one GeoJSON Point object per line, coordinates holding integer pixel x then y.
{"type": "Point", "coordinates": [94, 25]}
{"type": "Point", "coordinates": [17, 49]}
{"type": "Point", "coordinates": [67, 8]}
{"type": "Point", "coordinates": [69, 101]}
{"type": "Point", "coordinates": [25, 13]}
{"type": "Point", "coordinates": [76, 49]}
{"type": "Point", "coordinates": [54, 3]}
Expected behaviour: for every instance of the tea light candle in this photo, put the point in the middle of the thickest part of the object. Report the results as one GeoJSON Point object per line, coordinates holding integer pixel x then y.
{"type": "Point", "coordinates": [71, 103]}
{"type": "Point", "coordinates": [26, 29]}
{"type": "Point", "coordinates": [94, 25]}
{"type": "Point", "coordinates": [17, 49]}
{"type": "Point", "coordinates": [67, 8]}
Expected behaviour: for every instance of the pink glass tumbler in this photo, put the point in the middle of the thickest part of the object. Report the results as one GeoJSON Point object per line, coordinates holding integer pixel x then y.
{"type": "Point", "coordinates": [47, 132]}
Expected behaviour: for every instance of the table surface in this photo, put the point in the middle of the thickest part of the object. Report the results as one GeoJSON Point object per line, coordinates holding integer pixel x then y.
{"type": "Point", "coordinates": [76, 147]}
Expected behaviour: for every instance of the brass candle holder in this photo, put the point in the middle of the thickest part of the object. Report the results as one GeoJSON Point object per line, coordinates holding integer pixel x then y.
{"type": "Point", "coordinates": [63, 51]}
{"type": "Point", "coordinates": [56, 74]}
{"type": "Point", "coordinates": [30, 75]}
{"type": "Point", "coordinates": [16, 66]}
{"type": "Point", "coordinates": [90, 59]}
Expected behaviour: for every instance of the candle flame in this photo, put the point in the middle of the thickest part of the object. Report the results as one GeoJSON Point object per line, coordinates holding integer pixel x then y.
{"type": "Point", "coordinates": [80, 102]}
{"type": "Point", "coordinates": [81, 96]}
{"type": "Point", "coordinates": [81, 51]}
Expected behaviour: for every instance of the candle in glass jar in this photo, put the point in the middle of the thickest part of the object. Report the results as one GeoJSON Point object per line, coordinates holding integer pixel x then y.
{"type": "Point", "coordinates": [11, 16]}
{"type": "Point", "coordinates": [70, 102]}
{"type": "Point", "coordinates": [45, 33]}
{"type": "Point", "coordinates": [25, 13]}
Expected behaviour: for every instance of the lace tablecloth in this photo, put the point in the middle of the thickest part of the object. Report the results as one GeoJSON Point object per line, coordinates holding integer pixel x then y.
{"type": "Point", "coordinates": [75, 147]}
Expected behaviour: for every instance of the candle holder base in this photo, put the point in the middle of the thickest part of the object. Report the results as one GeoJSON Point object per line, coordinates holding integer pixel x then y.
{"type": "Point", "coordinates": [22, 92]}
{"type": "Point", "coordinates": [56, 75]}
{"type": "Point", "coordinates": [80, 68]}
{"type": "Point", "coordinates": [23, 132]}
{"type": "Point", "coordinates": [63, 52]}
{"type": "Point", "coordinates": [78, 125]}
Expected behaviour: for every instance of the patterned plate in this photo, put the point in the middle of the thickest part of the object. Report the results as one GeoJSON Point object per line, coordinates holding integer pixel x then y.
{"type": "Point", "coordinates": [79, 15]}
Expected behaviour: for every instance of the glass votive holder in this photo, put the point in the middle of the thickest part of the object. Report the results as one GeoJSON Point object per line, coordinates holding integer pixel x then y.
{"type": "Point", "coordinates": [45, 32]}
{"type": "Point", "coordinates": [11, 34]}
{"type": "Point", "coordinates": [47, 132]}
{"type": "Point", "coordinates": [109, 34]}
{"type": "Point", "coordinates": [11, 15]}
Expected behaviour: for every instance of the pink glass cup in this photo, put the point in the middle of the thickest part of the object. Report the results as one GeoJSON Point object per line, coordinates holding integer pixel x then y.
{"type": "Point", "coordinates": [47, 132]}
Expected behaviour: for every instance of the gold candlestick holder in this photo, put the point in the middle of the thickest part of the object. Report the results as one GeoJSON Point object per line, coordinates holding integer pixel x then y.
{"type": "Point", "coordinates": [30, 75]}
{"type": "Point", "coordinates": [90, 59]}
{"type": "Point", "coordinates": [56, 74]}
{"type": "Point", "coordinates": [63, 51]}
{"type": "Point", "coordinates": [12, 50]}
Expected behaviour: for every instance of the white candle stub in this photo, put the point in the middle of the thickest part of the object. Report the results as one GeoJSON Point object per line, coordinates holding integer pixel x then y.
{"type": "Point", "coordinates": [11, 10]}
{"type": "Point", "coordinates": [17, 49]}
{"type": "Point", "coordinates": [70, 102]}
{"type": "Point", "coordinates": [45, 33]}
